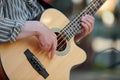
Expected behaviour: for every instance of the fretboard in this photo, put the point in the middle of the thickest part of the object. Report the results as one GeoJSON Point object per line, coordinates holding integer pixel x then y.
{"type": "Point", "coordinates": [74, 26]}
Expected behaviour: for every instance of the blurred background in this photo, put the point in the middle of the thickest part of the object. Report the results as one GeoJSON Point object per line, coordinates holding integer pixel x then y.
{"type": "Point", "coordinates": [102, 45]}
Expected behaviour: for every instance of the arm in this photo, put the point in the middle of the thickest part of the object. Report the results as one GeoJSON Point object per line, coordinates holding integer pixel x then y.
{"type": "Point", "coordinates": [47, 38]}
{"type": "Point", "coordinates": [11, 30]}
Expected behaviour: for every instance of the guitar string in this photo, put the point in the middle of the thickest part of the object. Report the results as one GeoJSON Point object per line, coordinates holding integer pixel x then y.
{"type": "Point", "coordinates": [92, 11]}
{"type": "Point", "coordinates": [82, 13]}
{"type": "Point", "coordinates": [62, 45]}
{"type": "Point", "coordinates": [62, 37]}
{"type": "Point", "coordinates": [89, 12]}
{"type": "Point", "coordinates": [74, 20]}
{"type": "Point", "coordinates": [64, 30]}
{"type": "Point", "coordinates": [89, 8]}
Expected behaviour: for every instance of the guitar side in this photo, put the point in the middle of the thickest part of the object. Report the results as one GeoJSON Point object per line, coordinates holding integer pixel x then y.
{"type": "Point", "coordinates": [17, 66]}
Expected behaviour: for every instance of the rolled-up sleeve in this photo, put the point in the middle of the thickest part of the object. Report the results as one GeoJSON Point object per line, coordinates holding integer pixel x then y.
{"type": "Point", "coordinates": [9, 29]}
{"type": "Point", "coordinates": [13, 14]}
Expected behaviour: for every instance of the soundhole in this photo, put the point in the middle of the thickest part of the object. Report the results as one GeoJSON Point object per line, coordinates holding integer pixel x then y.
{"type": "Point", "coordinates": [62, 42]}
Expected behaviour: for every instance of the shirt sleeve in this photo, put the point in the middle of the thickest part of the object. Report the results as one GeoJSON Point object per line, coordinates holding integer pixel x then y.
{"type": "Point", "coordinates": [9, 29]}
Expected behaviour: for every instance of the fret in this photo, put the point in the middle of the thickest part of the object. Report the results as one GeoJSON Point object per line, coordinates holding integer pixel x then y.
{"type": "Point", "coordinates": [93, 5]}
{"type": "Point", "coordinates": [75, 19]}
{"type": "Point", "coordinates": [97, 3]}
{"type": "Point", "coordinates": [71, 29]}
{"type": "Point", "coordinates": [65, 34]}
{"type": "Point", "coordinates": [70, 33]}
{"type": "Point", "coordinates": [93, 8]}
{"type": "Point", "coordinates": [90, 10]}
{"type": "Point", "coordinates": [77, 29]}
{"type": "Point", "coordinates": [74, 30]}
{"type": "Point", "coordinates": [74, 26]}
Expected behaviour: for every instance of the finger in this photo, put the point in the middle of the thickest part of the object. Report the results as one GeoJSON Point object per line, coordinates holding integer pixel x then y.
{"type": "Point", "coordinates": [53, 50]}
{"type": "Point", "coordinates": [79, 35]}
{"type": "Point", "coordinates": [87, 21]}
{"type": "Point", "coordinates": [90, 19]}
{"type": "Point", "coordinates": [80, 31]}
{"type": "Point", "coordinates": [86, 25]}
{"type": "Point", "coordinates": [45, 46]}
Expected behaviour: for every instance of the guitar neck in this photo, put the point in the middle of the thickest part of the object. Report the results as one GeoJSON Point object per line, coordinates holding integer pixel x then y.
{"type": "Point", "coordinates": [74, 26]}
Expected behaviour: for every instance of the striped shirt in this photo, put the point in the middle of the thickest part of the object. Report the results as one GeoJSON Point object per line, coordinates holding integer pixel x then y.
{"type": "Point", "coordinates": [13, 14]}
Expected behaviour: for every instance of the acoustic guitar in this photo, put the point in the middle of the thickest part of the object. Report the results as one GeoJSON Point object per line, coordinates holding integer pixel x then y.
{"type": "Point", "coordinates": [24, 60]}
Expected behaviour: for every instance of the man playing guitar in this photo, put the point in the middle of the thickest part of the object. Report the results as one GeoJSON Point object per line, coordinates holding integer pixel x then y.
{"type": "Point", "coordinates": [16, 23]}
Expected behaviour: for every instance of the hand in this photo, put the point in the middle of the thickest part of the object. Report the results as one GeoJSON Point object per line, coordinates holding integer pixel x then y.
{"type": "Point", "coordinates": [87, 22]}
{"type": "Point", "coordinates": [47, 38]}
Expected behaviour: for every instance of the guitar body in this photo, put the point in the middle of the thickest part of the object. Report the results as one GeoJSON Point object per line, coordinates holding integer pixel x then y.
{"type": "Point", "coordinates": [17, 67]}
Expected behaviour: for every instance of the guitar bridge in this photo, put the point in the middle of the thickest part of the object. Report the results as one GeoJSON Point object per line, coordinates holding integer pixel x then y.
{"type": "Point", "coordinates": [36, 64]}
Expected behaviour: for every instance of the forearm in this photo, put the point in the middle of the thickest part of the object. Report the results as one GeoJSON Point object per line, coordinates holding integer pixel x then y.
{"type": "Point", "coordinates": [31, 28]}
{"type": "Point", "coordinates": [26, 31]}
